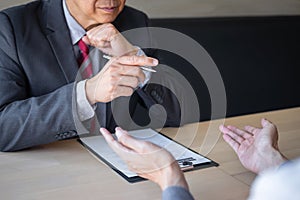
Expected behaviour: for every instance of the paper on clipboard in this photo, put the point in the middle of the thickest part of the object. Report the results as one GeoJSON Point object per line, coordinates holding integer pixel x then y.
{"type": "Point", "coordinates": [187, 159]}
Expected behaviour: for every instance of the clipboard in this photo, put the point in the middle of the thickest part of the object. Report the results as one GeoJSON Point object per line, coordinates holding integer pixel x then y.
{"type": "Point", "coordinates": [187, 159]}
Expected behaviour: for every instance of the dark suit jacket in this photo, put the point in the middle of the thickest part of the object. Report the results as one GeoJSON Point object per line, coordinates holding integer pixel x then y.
{"type": "Point", "coordinates": [37, 76]}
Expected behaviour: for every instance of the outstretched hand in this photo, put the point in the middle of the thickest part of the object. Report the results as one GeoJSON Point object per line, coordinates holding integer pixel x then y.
{"type": "Point", "coordinates": [257, 148]}
{"type": "Point", "coordinates": [146, 159]}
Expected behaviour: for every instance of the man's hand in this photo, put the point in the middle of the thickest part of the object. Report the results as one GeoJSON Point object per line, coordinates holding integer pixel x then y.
{"type": "Point", "coordinates": [119, 77]}
{"type": "Point", "coordinates": [146, 159]}
{"type": "Point", "coordinates": [257, 148]}
{"type": "Point", "coordinates": [108, 39]}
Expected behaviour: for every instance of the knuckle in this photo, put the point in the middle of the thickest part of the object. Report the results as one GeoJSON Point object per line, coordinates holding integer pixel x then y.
{"type": "Point", "coordinates": [128, 91]}
{"type": "Point", "coordinates": [122, 68]}
{"type": "Point", "coordinates": [112, 80]}
{"type": "Point", "coordinates": [137, 70]}
{"type": "Point", "coordinates": [132, 59]}
{"type": "Point", "coordinates": [136, 59]}
{"type": "Point", "coordinates": [112, 70]}
{"type": "Point", "coordinates": [110, 88]}
{"type": "Point", "coordinates": [110, 74]}
{"type": "Point", "coordinates": [112, 63]}
{"type": "Point", "coordinates": [93, 38]}
{"type": "Point", "coordinates": [89, 34]}
{"type": "Point", "coordinates": [123, 139]}
{"type": "Point", "coordinates": [109, 25]}
{"type": "Point", "coordinates": [135, 81]}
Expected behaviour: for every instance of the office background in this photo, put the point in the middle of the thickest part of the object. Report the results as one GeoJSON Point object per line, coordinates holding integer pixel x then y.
{"type": "Point", "coordinates": [254, 43]}
{"type": "Point", "coordinates": [200, 8]}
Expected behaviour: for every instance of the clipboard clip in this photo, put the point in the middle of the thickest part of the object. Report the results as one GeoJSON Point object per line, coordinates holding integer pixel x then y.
{"type": "Point", "coordinates": [186, 164]}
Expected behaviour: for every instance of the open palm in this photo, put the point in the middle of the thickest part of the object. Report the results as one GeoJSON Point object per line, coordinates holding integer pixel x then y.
{"type": "Point", "coordinates": [257, 148]}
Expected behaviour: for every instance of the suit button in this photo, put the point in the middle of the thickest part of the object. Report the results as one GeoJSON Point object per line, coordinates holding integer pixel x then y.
{"type": "Point", "coordinates": [159, 100]}
{"type": "Point", "coordinates": [153, 93]}
{"type": "Point", "coordinates": [156, 96]}
{"type": "Point", "coordinates": [61, 136]}
{"type": "Point", "coordinates": [73, 133]}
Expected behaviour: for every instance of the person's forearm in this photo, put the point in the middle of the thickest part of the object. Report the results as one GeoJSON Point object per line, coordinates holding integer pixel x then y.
{"type": "Point", "coordinates": [172, 176]}
{"type": "Point", "coordinates": [37, 120]}
{"type": "Point", "coordinates": [176, 193]}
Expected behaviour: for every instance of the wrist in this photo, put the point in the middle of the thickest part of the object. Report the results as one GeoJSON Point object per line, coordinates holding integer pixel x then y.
{"type": "Point", "coordinates": [273, 160]}
{"type": "Point", "coordinates": [172, 176]}
{"type": "Point", "coordinates": [132, 51]}
{"type": "Point", "coordinates": [122, 47]}
{"type": "Point", "coordinates": [90, 92]}
{"type": "Point", "coordinates": [277, 158]}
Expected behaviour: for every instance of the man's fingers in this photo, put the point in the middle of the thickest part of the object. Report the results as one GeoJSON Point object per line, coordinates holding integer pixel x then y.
{"type": "Point", "coordinates": [234, 145]}
{"type": "Point", "coordinates": [102, 32]}
{"type": "Point", "coordinates": [86, 40]}
{"type": "Point", "coordinates": [126, 70]}
{"type": "Point", "coordinates": [107, 135]}
{"type": "Point", "coordinates": [138, 61]}
{"type": "Point", "coordinates": [228, 138]}
{"type": "Point", "coordinates": [240, 132]}
{"type": "Point", "coordinates": [128, 141]}
{"type": "Point", "coordinates": [232, 134]}
{"type": "Point", "coordinates": [103, 44]}
{"type": "Point", "coordinates": [128, 81]}
{"type": "Point", "coordinates": [115, 145]}
{"type": "Point", "coordinates": [252, 130]}
{"type": "Point", "coordinates": [136, 73]}
{"type": "Point", "coordinates": [122, 91]}
{"type": "Point", "coordinates": [266, 123]}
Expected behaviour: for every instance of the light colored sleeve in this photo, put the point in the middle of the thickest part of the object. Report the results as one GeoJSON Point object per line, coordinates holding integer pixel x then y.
{"type": "Point", "coordinates": [278, 184]}
{"type": "Point", "coordinates": [176, 193]}
{"type": "Point", "coordinates": [146, 73]}
{"type": "Point", "coordinates": [84, 109]}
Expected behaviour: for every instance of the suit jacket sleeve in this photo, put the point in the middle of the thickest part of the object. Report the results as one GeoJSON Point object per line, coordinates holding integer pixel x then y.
{"type": "Point", "coordinates": [27, 120]}
{"type": "Point", "coordinates": [176, 193]}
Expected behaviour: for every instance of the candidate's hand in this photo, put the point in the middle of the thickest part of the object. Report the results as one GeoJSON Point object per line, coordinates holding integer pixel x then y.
{"type": "Point", "coordinates": [119, 77]}
{"type": "Point", "coordinates": [146, 159]}
{"type": "Point", "coordinates": [108, 39]}
{"type": "Point", "coordinates": [257, 148]}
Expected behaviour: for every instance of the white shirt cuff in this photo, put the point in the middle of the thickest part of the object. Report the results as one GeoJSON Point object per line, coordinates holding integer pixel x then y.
{"type": "Point", "coordinates": [147, 73]}
{"type": "Point", "coordinates": [84, 109]}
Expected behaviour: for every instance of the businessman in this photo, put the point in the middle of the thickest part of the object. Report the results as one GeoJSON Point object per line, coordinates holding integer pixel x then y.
{"type": "Point", "coordinates": [257, 149]}
{"type": "Point", "coordinates": [42, 45]}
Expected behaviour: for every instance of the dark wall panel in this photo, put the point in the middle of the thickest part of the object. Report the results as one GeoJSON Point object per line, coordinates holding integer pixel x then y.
{"type": "Point", "coordinates": [258, 58]}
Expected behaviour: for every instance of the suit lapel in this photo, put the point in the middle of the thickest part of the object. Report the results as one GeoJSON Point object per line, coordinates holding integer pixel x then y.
{"type": "Point", "coordinates": [59, 38]}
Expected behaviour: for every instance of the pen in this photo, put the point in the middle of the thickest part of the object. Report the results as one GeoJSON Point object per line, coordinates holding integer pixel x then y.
{"type": "Point", "coordinates": [143, 68]}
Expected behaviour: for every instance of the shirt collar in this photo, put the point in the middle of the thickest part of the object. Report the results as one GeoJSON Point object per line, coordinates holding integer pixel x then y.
{"type": "Point", "coordinates": [76, 30]}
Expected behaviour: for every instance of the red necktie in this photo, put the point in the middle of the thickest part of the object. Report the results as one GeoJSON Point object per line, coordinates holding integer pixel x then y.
{"type": "Point", "coordinates": [87, 71]}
